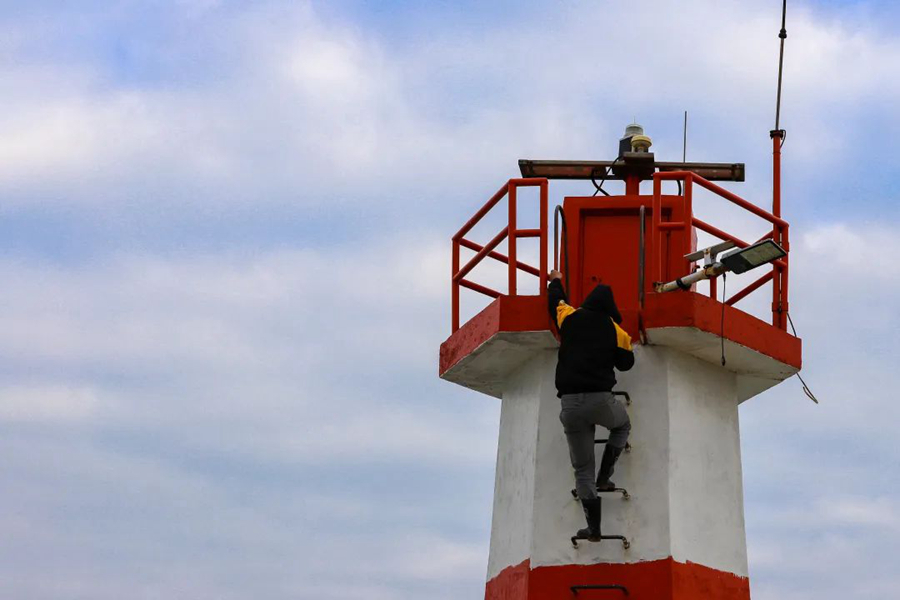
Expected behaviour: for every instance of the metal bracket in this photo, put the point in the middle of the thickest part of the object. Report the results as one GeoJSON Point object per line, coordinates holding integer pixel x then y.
{"type": "Point", "coordinates": [709, 254]}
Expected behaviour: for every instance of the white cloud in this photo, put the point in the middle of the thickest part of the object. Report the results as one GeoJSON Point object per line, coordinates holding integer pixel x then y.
{"type": "Point", "coordinates": [323, 107]}
{"type": "Point", "coordinates": [880, 512]}
{"type": "Point", "coordinates": [46, 403]}
{"type": "Point", "coordinates": [235, 340]}
{"type": "Point", "coordinates": [247, 424]}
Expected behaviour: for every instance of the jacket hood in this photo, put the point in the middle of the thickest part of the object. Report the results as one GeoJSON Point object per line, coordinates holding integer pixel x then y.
{"type": "Point", "coordinates": [601, 300]}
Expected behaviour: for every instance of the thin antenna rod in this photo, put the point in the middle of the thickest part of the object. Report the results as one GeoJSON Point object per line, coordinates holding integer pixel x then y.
{"type": "Point", "coordinates": [783, 35]}
{"type": "Point", "coordinates": [684, 149]}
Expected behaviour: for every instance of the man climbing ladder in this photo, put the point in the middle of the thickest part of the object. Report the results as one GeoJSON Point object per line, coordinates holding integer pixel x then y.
{"type": "Point", "coordinates": [591, 345]}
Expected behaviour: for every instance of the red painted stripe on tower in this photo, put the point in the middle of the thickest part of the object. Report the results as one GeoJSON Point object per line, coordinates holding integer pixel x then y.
{"type": "Point", "coordinates": [665, 579]}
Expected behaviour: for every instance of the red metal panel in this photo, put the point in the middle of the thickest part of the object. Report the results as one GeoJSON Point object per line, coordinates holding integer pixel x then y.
{"type": "Point", "coordinates": [608, 252]}
{"type": "Point", "coordinates": [603, 245]}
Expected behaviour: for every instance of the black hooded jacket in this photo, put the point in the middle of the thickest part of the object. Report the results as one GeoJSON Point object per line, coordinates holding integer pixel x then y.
{"type": "Point", "coordinates": [591, 342]}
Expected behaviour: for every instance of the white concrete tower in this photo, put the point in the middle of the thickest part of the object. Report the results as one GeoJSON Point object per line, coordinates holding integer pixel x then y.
{"type": "Point", "coordinates": [682, 517]}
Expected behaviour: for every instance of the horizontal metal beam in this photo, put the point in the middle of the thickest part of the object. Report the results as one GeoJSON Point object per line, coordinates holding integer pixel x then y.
{"type": "Point", "coordinates": [479, 288]}
{"type": "Point", "coordinates": [594, 169]}
{"type": "Point", "coordinates": [481, 254]}
{"type": "Point", "coordinates": [498, 256]}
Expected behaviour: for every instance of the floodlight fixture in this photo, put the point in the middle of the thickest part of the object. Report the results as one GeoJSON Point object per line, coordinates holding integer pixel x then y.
{"type": "Point", "coordinates": [739, 260]}
{"type": "Point", "coordinates": [742, 260]}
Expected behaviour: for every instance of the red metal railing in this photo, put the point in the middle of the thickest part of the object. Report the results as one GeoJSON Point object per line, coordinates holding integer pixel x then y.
{"type": "Point", "coordinates": [512, 232]}
{"type": "Point", "coordinates": [779, 273]}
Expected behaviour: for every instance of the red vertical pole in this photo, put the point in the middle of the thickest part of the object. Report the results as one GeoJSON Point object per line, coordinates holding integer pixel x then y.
{"type": "Point", "coordinates": [632, 185]}
{"type": "Point", "coordinates": [544, 240]}
{"type": "Point", "coordinates": [714, 288]}
{"type": "Point", "coordinates": [454, 269]}
{"type": "Point", "coordinates": [784, 279]}
{"type": "Point", "coordinates": [688, 219]}
{"type": "Point", "coordinates": [512, 239]}
{"type": "Point", "coordinates": [776, 173]}
{"type": "Point", "coordinates": [655, 237]}
{"type": "Point", "coordinates": [778, 275]}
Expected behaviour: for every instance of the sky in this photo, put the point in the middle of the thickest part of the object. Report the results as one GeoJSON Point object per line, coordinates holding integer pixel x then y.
{"type": "Point", "coordinates": [224, 245]}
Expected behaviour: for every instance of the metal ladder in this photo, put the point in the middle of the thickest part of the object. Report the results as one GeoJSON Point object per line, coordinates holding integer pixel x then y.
{"type": "Point", "coordinates": [625, 496]}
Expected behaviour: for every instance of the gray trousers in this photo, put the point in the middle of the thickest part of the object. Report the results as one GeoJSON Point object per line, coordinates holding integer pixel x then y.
{"type": "Point", "coordinates": [580, 414]}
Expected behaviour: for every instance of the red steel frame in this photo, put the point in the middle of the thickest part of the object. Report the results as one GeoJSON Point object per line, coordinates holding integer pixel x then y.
{"type": "Point", "coordinates": [779, 273]}
{"type": "Point", "coordinates": [512, 232]}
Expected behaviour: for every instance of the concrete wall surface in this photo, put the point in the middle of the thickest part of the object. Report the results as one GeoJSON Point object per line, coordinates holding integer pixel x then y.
{"type": "Point", "coordinates": [683, 472]}
{"type": "Point", "coordinates": [706, 492]}
{"type": "Point", "coordinates": [511, 530]}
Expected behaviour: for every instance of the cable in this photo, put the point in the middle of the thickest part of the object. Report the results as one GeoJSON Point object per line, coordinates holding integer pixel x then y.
{"type": "Point", "coordinates": [782, 35]}
{"type": "Point", "coordinates": [722, 335]}
{"type": "Point", "coordinates": [806, 389]}
{"type": "Point", "coordinates": [606, 172]}
{"type": "Point", "coordinates": [558, 212]}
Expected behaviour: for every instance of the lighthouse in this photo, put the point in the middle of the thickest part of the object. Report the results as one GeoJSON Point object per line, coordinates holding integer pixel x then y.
{"type": "Point", "coordinates": [674, 526]}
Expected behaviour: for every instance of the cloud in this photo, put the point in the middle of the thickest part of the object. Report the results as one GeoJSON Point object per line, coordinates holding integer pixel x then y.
{"type": "Point", "coordinates": [286, 332]}
{"type": "Point", "coordinates": [264, 417]}
{"type": "Point", "coordinates": [51, 403]}
{"type": "Point", "coordinates": [230, 384]}
{"type": "Point", "coordinates": [239, 408]}
{"type": "Point", "coordinates": [315, 108]}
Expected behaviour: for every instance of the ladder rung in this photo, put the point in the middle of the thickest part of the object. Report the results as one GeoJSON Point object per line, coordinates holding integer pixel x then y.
{"type": "Point", "coordinates": [603, 441]}
{"type": "Point", "coordinates": [625, 395]}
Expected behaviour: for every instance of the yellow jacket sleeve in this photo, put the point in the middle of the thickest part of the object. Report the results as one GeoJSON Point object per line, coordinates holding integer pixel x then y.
{"type": "Point", "coordinates": [563, 310]}
{"type": "Point", "coordinates": [622, 338]}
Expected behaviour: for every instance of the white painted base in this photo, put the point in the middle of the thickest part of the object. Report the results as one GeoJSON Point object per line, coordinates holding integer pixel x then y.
{"type": "Point", "coordinates": [683, 473]}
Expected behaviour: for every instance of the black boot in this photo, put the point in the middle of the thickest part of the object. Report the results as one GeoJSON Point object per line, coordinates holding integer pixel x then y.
{"type": "Point", "coordinates": [592, 511]}
{"type": "Point", "coordinates": [607, 466]}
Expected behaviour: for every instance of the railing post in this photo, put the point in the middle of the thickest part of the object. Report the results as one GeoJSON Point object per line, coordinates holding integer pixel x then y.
{"type": "Point", "coordinates": [454, 287]}
{"type": "Point", "coordinates": [784, 279]}
{"type": "Point", "coordinates": [776, 282]}
{"type": "Point", "coordinates": [542, 291]}
{"type": "Point", "coordinates": [688, 218]}
{"type": "Point", "coordinates": [776, 173]}
{"type": "Point", "coordinates": [513, 272]}
{"type": "Point", "coordinates": [655, 235]}
{"type": "Point", "coordinates": [777, 231]}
